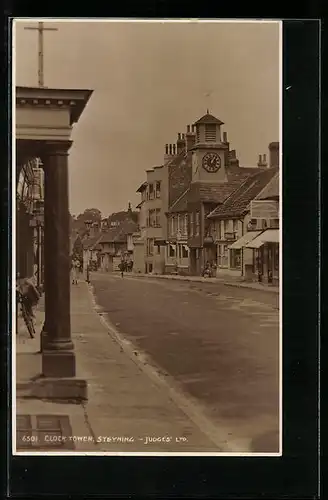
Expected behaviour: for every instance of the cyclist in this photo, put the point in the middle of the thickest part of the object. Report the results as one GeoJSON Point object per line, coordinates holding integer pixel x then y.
{"type": "Point", "coordinates": [28, 293]}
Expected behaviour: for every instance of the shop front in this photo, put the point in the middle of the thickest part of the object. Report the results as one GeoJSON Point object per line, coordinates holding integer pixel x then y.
{"type": "Point", "coordinates": [265, 249]}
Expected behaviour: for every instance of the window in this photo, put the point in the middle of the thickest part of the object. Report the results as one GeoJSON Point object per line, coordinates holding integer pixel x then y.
{"type": "Point", "coordinates": [274, 223]}
{"type": "Point", "coordinates": [219, 230]}
{"type": "Point", "coordinates": [235, 259]}
{"type": "Point", "coordinates": [276, 257]}
{"type": "Point", "coordinates": [158, 189]}
{"type": "Point", "coordinates": [235, 226]}
{"type": "Point", "coordinates": [158, 249]}
{"type": "Point", "coordinates": [172, 250]}
{"type": "Point", "coordinates": [172, 225]}
{"type": "Point", "coordinates": [225, 227]}
{"type": "Point", "coordinates": [150, 246]}
{"type": "Point", "coordinates": [184, 252]}
{"type": "Point", "coordinates": [158, 217]}
{"type": "Point", "coordinates": [191, 220]}
{"type": "Point", "coordinates": [151, 191]}
{"type": "Point", "coordinates": [210, 132]}
{"type": "Point", "coordinates": [151, 218]}
{"type": "Point", "coordinates": [175, 224]}
{"type": "Point", "coordinates": [197, 223]}
{"type": "Point", "coordinates": [178, 223]}
{"type": "Point", "coordinates": [223, 256]}
{"type": "Point", "coordinates": [185, 225]}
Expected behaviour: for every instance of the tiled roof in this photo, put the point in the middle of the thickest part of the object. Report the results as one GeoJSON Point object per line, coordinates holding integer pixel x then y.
{"type": "Point", "coordinates": [208, 118]}
{"type": "Point", "coordinates": [110, 235]}
{"type": "Point", "coordinates": [271, 190]}
{"type": "Point", "coordinates": [240, 198]}
{"type": "Point", "coordinates": [216, 193]}
{"type": "Point", "coordinates": [181, 204]}
{"type": "Point", "coordinates": [90, 243]}
{"type": "Point", "coordinates": [179, 170]}
{"type": "Point", "coordinates": [209, 192]}
{"type": "Point", "coordinates": [119, 234]}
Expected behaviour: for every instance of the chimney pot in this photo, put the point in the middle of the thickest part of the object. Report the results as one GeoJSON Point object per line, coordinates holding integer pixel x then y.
{"type": "Point", "coordinates": [225, 137]}
{"type": "Point", "coordinates": [174, 149]}
{"type": "Point", "coordinates": [170, 149]}
{"type": "Point", "coordinates": [188, 129]}
{"type": "Point", "coordinates": [193, 128]}
{"type": "Point", "coordinates": [260, 158]}
{"type": "Point", "coordinates": [166, 149]}
{"type": "Point", "coordinates": [179, 136]}
{"type": "Point", "coordinates": [264, 158]}
{"type": "Point", "coordinates": [183, 136]}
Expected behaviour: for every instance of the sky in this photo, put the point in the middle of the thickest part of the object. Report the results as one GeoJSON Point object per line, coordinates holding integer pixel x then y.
{"type": "Point", "coordinates": [150, 81]}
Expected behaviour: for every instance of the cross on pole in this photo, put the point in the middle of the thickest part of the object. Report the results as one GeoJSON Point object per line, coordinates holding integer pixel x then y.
{"type": "Point", "coordinates": [40, 28]}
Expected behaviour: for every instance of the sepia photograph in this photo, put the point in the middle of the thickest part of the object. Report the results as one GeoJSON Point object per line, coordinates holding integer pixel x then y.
{"type": "Point", "coordinates": [147, 253]}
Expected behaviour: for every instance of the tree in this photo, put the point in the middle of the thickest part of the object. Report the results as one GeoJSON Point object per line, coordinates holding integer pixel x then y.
{"type": "Point", "coordinates": [89, 214]}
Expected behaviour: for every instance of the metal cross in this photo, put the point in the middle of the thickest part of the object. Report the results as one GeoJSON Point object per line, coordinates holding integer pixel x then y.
{"type": "Point", "coordinates": [41, 29]}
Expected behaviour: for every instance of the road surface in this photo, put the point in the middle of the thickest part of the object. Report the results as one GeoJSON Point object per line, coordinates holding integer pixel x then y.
{"type": "Point", "coordinates": [219, 344]}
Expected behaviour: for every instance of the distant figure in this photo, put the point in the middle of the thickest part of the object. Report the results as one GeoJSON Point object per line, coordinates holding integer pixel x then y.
{"type": "Point", "coordinates": [75, 271]}
{"type": "Point", "coordinates": [130, 266]}
{"type": "Point", "coordinates": [122, 267]}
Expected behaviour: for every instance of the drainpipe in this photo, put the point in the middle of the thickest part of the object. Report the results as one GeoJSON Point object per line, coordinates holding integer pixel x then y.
{"type": "Point", "coordinates": [242, 248]}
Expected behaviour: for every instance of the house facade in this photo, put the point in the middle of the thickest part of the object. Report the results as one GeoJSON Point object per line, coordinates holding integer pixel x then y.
{"type": "Point", "coordinates": [91, 247]}
{"type": "Point", "coordinates": [152, 219]}
{"type": "Point", "coordinates": [116, 245]}
{"type": "Point", "coordinates": [231, 226]}
{"type": "Point", "coordinates": [264, 250]}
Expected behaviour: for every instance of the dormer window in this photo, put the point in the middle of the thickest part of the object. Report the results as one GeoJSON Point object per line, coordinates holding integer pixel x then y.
{"type": "Point", "coordinates": [210, 132]}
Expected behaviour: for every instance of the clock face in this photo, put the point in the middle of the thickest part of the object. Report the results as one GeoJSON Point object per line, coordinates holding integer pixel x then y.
{"type": "Point", "coordinates": [211, 162]}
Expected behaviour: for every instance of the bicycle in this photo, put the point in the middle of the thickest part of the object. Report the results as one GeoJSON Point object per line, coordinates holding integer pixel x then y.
{"type": "Point", "coordinates": [28, 320]}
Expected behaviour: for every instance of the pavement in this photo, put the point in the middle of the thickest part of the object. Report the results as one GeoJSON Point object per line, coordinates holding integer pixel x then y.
{"type": "Point", "coordinates": [131, 409]}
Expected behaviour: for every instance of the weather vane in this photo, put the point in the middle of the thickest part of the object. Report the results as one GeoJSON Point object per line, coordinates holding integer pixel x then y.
{"type": "Point", "coordinates": [208, 95]}
{"type": "Point", "coordinates": [40, 28]}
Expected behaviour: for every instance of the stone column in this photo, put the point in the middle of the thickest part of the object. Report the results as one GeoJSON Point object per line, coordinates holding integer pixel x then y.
{"type": "Point", "coordinates": [58, 358]}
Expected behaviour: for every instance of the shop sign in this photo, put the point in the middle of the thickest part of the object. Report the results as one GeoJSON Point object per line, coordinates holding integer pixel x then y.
{"type": "Point", "coordinates": [264, 209]}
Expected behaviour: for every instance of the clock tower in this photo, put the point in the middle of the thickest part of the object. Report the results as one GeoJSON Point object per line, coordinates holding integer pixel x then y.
{"type": "Point", "coordinates": [208, 153]}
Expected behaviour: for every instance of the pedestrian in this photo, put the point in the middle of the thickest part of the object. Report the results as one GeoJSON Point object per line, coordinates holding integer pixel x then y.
{"type": "Point", "coordinates": [75, 270]}
{"type": "Point", "coordinates": [122, 268]}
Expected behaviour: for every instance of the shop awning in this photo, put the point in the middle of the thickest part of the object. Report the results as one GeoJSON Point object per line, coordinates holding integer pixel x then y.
{"type": "Point", "coordinates": [242, 242]}
{"type": "Point", "coordinates": [160, 242]}
{"type": "Point", "coordinates": [268, 236]}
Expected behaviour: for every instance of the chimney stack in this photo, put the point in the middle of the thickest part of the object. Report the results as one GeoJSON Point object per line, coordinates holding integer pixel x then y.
{"type": "Point", "coordinates": [180, 144]}
{"type": "Point", "coordinates": [190, 138]}
{"type": "Point", "coordinates": [264, 161]}
{"type": "Point", "coordinates": [274, 154]}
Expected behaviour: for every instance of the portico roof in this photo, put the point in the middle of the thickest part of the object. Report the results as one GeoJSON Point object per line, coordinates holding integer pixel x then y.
{"type": "Point", "coordinates": [76, 99]}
